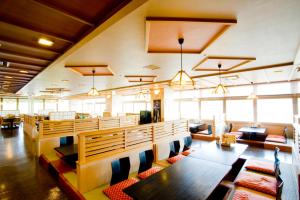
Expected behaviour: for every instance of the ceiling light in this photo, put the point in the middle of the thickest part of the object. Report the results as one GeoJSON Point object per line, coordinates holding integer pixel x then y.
{"type": "Point", "coordinates": [4, 63]}
{"type": "Point", "coordinates": [232, 77]}
{"type": "Point", "coordinates": [24, 71]}
{"type": "Point", "coordinates": [182, 80]}
{"type": "Point", "coordinates": [8, 77]}
{"type": "Point", "coordinates": [113, 92]}
{"type": "Point", "coordinates": [45, 42]}
{"type": "Point", "coordinates": [65, 81]}
{"type": "Point", "coordinates": [93, 91]}
{"type": "Point", "coordinates": [156, 92]}
{"type": "Point", "coordinates": [108, 96]}
{"type": "Point", "coordinates": [220, 89]}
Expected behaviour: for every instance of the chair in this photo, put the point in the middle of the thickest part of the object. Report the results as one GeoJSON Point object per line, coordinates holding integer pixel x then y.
{"type": "Point", "coordinates": [278, 138]}
{"type": "Point", "coordinates": [66, 141]}
{"type": "Point", "coordinates": [187, 143]}
{"type": "Point", "coordinates": [146, 160]}
{"type": "Point", "coordinates": [120, 170]}
{"type": "Point", "coordinates": [228, 128]}
{"type": "Point", "coordinates": [174, 148]}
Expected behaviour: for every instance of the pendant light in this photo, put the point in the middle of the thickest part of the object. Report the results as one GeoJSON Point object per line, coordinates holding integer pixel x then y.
{"type": "Point", "coordinates": [93, 91]}
{"type": "Point", "coordinates": [252, 95]}
{"type": "Point", "coordinates": [220, 89]}
{"type": "Point", "coordinates": [182, 80]}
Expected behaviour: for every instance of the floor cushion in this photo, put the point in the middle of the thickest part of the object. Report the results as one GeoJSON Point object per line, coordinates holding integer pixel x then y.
{"type": "Point", "coordinates": [187, 152]}
{"type": "Point", "coordinates": [248, 195]}
{"type": "Point", "coordinates": [276, 138]}
{"type": "Point", "coordinates": [261, 166]}
{"type": "Point", "coordinates": [149, 172]}
{"type": "Point", "coordinates": [115, 192]}
{"type": "Point", "coordinates": [174, 159]}
{"type": "Point", "coordinates": [258, 182]}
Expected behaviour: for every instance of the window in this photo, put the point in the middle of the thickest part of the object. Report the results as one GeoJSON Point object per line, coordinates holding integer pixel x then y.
{"type": "Point", "coordinates": [276, 88]}
{"type": "Point", "coordinates": [9, 104]}
{"type": "Point", "coordinates": [211, 108]}
{"type": "Point", "coordinates": [37, 105]}
{"type": "Point", "coordinates": [23, 106]}
{"type": "Point", "coordinates": [137, 107]}
{"type": "Point", "coordinates": [76, 106]}
{"type": "Point", "coordinates": [240, 91]}
{"type": "Point", "coordinates": [189, 109]}
{"type": "Point", "coordinates": [88, 106]}
{"type": "Point", "coordinates": [63, 105]}
{"type": "Point", "coordinates": [50, 105]}
{"type": "Point", "coordinates": [100, 108]}
{"type": "Point", "coordinates": [239, 110]}
{"type": "Point", "coordinates": [275, 110]}
{"type": "Point", "coordinates": [127, 107]}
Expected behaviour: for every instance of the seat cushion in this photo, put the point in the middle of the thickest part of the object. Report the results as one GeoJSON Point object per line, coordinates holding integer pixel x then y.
{"type": "Point", "coordinates": [261, 183]}
{"type": "Point", "coordinates": [276, 138]}
{"type": "Point", "coordinates": [236, 134]}
{"type": "Point", "coordinates": [115, 192]}
{"type": "Point", "coordinates": [248, 195]}
{"type": "Point", "coordinates": [174, 159]}
{"type": "Point", "coordinates": [149, 172]}
{"type": "Point", "coordinates": [260, 166]}
{"type": "Point", "coordinates": [187, 152]}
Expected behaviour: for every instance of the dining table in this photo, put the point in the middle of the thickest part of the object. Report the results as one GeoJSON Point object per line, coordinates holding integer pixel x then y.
{"type": "Point", "coordinates": [189, 178]}
{"type": "Point", "coordinates": [69, 154]}
{"type": "Point", "coordinates": [253, 133]}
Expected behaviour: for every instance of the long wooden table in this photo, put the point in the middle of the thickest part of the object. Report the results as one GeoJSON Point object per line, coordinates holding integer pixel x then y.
{"type": "Point", "coordinates": [220, 154]}
{"type": "Point", "coordinates": [69, 154]}
{"type": "Point", "coordinates": [190, 178]}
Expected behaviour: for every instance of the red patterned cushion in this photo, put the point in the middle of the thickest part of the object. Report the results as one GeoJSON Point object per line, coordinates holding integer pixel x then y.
{"type": "Point", "coordinates": [149, 172]}
{"type": "Point", "coordinates": [276, 138]}
{"type": "Point", "coordinates": [260, 166]}
{"type": "Point", "coordinates": [257, 182]}
{"type": "Point", "coordinates": [174, 159]}
{"type": "Point", "coordinates": [115, 192]}
{"type": "Point", "coordinates": [187, 152]}
{"type": "Point", "coordinates": [247, 195]}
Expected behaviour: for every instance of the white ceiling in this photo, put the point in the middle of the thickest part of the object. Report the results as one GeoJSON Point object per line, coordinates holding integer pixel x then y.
{"type": "Point", "coordinates": [266, 29]}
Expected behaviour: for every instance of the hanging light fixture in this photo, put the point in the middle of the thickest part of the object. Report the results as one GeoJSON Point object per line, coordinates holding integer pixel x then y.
{"type": "Point", "coordinates": [220, 89]}
{"type": "Point", "coordinates": [252, 95]}
{"type": "Point", "coordinates": [182, 80]}
{"type": "Point", "coordinates": [93, 91]}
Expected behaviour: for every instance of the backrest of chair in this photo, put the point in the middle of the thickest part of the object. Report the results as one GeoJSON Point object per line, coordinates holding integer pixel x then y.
{"type": "Point", "coordinates": [230, 128]}
{"type": "Point", "coordinates": [187, 143]}
{"type": "Point", "coordinates": [209, 129]}
{"type": "Point", "coordinates": [279, 187]}
{"type": "Point", "coordinates": [174, 148]}
{"type": "Point", "coordinates": [120, 170]}
{"type": "Point", "coordinates": [146, 160]}
{"type": "Point", "coordinates": [285, 130]}
{"type": "Point", "coordinates": [65, 141]}
{"type": "Point", "coordinates": [276, 154]}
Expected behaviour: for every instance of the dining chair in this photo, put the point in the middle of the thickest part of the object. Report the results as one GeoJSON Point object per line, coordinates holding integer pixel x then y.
{"type": "Point", "coordinates": [174, 148]}
{"type": "Point", "coordinates": [66, 141]}
{"type": "Point", "coordinates": [187, 143]}
{"type": "Point", "coordinates": [146, 160]}
{"type": "Point", "coordinates": [120, 170]}
{"type": "Point", "coordinates": [17, 122]}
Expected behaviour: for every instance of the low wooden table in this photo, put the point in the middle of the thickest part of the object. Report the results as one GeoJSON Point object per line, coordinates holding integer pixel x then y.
{"type": "Point", "coordinates": [189, 178]}
{"type": "Point", "coordinates": [220, 154]}
{"type": "Point", "coordinates": [69, 154]}
{"type": "Point", "coordinates": [253, 133]}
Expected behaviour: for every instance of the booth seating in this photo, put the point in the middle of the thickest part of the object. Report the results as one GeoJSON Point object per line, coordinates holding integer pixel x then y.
{"type": "Point", "coordinates": [208, 131]}
{"type": "Point", "coordinates": [229, 131]}
{"type": "Point", "coordinates": [187, 146]}
{"type": "Point", "coordinates": [146, 161]}
{"type": "Point", "coordinates": [279, 138]}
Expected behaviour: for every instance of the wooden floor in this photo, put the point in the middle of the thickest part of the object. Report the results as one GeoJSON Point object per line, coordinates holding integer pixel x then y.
{"type": "Point", "coordinates": [21, 176]}
{"type": "Point", "coordinates": [252, 152]}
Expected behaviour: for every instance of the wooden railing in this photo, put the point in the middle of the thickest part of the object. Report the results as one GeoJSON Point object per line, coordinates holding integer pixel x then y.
{"type": "Point", "coordinates": [48, 128]}
{"type": "Point", "coordinates": [97, 144]}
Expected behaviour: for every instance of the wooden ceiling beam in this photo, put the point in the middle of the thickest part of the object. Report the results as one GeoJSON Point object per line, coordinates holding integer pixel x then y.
{"type": "Point", "coordinates": [21, 66]}
{"type": "Point", "coordinates": [15, 78]}
{"type": "Point", "coordinates": [22, 62]}
{"type": "Point", "coordinates": [15, 70]}
{"type": "Point", "coordinates": [63, 12]}
{"type": "Point", "coordinates": [10, 42]}
{"type": "Point", "coordinates": [16, 74]}
{"type": "Point", "coordinates": [23, 55]}
{"type": "Point", "coordinates": [36, 30]}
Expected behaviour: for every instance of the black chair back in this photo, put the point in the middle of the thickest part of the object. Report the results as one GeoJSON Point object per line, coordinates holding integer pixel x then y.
{"type": "Point", "coordinates": [174, 148]}
{"type": "Point", "coordinates": [146, 160]}
{"type": "Point", "coordinates": [230, 128]}
{"type": "Point", "coordinates": [209, 129]}
{"type": "Point", "coordinates": [65, 141]}
{"type": "Point", "coordinates": [279, 187]}
{"type": "Point", "coordinates": [120, 170]}
{"type": "Point", "coordinates": [187, 143]}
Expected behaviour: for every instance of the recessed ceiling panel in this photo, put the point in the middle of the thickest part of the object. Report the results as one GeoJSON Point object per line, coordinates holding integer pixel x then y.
{"type": "Point", "coordinates": [87, 70]}
{"type": "Point", "coordinates": [141, 78]}
{"type": "Point", "coordinates": [198, 34]}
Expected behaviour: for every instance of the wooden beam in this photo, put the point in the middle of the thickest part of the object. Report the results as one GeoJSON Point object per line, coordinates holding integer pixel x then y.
{"type": "Point", "coordinates": [36, 30]}
{"type": "Point", "coordinates": [15, 70]}
{"type": "Point", "coordinates": [63, 12]}
{"type": "Point", "coordinates": [296, 64]}
{"type": "Point", "coordinates": [211, 20]}
{"type": "Point", "coordinates": [140, 76]}
{"type": "Point", "coordinates": [23, 63]}
{"type": "Point", "coordinates": [83, 66]}
{"type": "Point", "coordinates": [23, 55]}
{"type": "Point", "coordinates": [19, 65]}
{"type": "Point", "coordinates": [18, 44]}
{"type": "Point", "coordinates": [16, 74]}
{"type": "Point", "coordinates": [15, 78]}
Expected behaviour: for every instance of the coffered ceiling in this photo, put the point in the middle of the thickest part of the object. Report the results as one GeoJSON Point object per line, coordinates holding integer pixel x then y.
{"type": "Point", "coordinates": [63, 23]}
{"type": "Point", "coordinates": [267, 31]}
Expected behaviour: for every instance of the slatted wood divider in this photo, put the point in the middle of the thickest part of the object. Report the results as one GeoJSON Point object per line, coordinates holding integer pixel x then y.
{"type": "Point", "coordinates": [30, 125]}
{"type": "Point", "coordinates": [98, 144]}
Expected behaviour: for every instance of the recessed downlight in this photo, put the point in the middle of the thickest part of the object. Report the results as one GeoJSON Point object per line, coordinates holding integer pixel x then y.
{"type": "Point", "coordinates": [23, 71]}
{"type": "Point", "coordinates": [45, 42]}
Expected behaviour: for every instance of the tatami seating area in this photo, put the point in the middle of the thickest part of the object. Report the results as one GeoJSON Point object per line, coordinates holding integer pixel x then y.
{"type": "Point", "coordinates": [150, 99]}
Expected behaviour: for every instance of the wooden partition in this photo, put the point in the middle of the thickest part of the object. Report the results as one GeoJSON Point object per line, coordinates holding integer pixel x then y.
{"type": "Point", "coordinates": [29, 125]}
{"type": "Point", "coordinates": [97, 149]}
